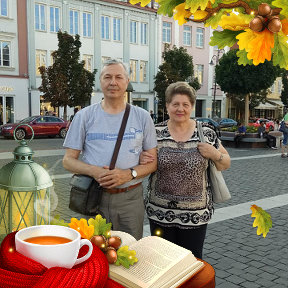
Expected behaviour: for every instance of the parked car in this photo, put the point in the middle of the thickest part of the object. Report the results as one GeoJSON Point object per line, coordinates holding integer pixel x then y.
{"type": "Point", "coordinates": [267, 123]}
{"type": "Point", "coordinates": [211, 122]}
{"type": "Point", "coordinates": [226, 122]}
{"type": "Point", "coordinates": [42, 126]}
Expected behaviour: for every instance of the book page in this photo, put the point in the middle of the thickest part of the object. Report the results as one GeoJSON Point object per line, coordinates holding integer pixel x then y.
{"type": "Point", "coordinates": [155, 256]}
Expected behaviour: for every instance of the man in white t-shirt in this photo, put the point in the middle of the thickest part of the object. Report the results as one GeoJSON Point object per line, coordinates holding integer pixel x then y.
{"type": "Point", "coordinates": [94, 131]}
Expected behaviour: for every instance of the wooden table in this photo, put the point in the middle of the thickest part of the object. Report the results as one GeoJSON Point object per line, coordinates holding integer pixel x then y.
{"type": "Point", "coordinates": [203, 279]}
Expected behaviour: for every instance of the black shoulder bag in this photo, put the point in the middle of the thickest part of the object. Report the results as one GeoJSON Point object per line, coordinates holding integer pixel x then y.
{"type": "Point", "coordinates": [86, 193]}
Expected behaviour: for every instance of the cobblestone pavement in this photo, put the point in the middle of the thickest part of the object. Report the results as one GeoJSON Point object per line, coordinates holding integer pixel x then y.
{"type": "Point", "coordinates": [239, 256]}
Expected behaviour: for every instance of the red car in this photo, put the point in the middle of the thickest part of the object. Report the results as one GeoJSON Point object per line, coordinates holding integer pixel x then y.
{"type": "Point", "coordinates": [42, 126]}
{"type": "Point", "coordinates": [268, 123]}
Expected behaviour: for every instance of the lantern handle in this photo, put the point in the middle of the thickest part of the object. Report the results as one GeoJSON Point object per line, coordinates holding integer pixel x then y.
{"type": "Point", "coordinates": [14, 135]}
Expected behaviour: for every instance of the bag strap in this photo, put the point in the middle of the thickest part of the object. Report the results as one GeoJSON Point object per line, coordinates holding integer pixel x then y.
{"type": "Point", "coordinates": [200, 132]}
{"type": "Point", "coordinates": [120, 137]}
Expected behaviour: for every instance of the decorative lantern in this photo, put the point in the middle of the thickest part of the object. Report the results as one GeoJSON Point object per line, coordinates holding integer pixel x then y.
{"type": "Point", "coordinates": [24, 191]}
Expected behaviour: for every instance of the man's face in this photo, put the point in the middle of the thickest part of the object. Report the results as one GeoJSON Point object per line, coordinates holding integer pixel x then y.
{"type": "Point", "coordinates": [114, 81]}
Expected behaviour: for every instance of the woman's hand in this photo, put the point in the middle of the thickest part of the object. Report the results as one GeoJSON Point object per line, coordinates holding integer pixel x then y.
{"type": "Point", "coordinates": [219, 156]}
{"type": "Point", "coordinates": [146, 158]}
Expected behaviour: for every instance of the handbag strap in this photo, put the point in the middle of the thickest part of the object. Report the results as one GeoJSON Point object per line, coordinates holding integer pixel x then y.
{"type": "Point", "coordinates": [120, 137]}
{"type": "Point", "coordinates": [200, 132]}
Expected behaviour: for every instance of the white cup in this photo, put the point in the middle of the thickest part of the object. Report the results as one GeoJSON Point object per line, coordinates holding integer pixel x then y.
{"type": "Point", "coordinates": [59, 255]}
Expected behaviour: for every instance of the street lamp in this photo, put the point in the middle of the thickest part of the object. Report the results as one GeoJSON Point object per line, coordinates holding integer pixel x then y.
{"type": "Point", "coordinates": [24, 191]}
{"type": "Point", "coordinates": [216, 59]}
{"type": "Point", "coordinates": [129, 89]}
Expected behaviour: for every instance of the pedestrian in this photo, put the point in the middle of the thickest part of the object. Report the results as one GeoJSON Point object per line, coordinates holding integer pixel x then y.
{"type": "Point", "coordinates": [94, 131]}
{"type": "Point", "coordinates": [179, 203]}
{"type": "Point", "coordinates": [71, 118]}
{"type": "Point", "coordinates": [152, 115]}
{"type": "Point", "coordinates": [284, 129]}
{"type": "Point", "coordinates": [263, 132]}
{"type": "Point", "coordinates": [239, 134]}
{"type": "Point", "coordinates": [276, 125]}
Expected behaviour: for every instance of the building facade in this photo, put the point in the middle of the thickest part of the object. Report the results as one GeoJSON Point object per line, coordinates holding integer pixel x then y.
{"type": "Point", "coordinates": [14, 88]}
{"type": "Point", "coordinates": [195, 38]}
{"type": "Point", "coordinates": [107, 29]}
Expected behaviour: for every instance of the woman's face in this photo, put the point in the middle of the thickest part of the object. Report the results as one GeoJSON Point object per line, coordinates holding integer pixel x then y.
{"type": "Point", "coordinates": [180, 108]}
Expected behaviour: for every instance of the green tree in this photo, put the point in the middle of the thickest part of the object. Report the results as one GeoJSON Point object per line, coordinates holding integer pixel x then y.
{"type": "Point", "coordinates": [245, 84]}
{"type": "Point", "coordinates": [284, 92]}
{"type": "Point", "coordinates": [177, 66]}
{"type": "Point", "coordinates": [67, 82]}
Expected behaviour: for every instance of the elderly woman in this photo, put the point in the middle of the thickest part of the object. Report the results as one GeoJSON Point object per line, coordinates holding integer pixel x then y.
{"type": "Point", "coordinates": [179, 203]}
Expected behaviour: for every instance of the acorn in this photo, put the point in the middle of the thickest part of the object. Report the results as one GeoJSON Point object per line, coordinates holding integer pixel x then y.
{"type": "Point", "coordinates": [114, 242]}
{"type": "Point", "coordinates": [99, 241]}
{"type": "Point", "coordinates": [111, 255]}
{"type": "Point", "coordinates": [274, 25]}
{"type": "Point", "coordinates": [264, 9]}
{"type": "Point", "coordinates": [257, 24]}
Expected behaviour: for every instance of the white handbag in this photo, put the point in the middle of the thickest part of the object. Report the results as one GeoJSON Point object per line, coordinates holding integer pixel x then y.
{"type": "Point", "coordinates": [220, 192]}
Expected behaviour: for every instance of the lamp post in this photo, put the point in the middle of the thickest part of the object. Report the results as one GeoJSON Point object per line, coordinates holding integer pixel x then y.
{"type": "Point", "coordinates": [216, 59]}
{"type": "Point", "coordinates": [24, 191]}
{"type": "Point", "coordinates": [129, 89]}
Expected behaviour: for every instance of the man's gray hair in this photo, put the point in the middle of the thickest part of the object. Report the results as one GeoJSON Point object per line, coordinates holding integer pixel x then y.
{"type": "Point", "coordinates": [115, 62]}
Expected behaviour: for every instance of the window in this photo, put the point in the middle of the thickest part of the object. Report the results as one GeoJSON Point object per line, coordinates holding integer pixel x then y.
{"type": "Point", "coordinates": [143, 71]}
{"type": "Point", "coordinates": [116, 29]}
{"type": "Point", "coordinates": [40, 60]}
{"type": "Point", "coordinates": [166, 32]}
{"type": "Point", "coordinates": [133, 32]}
{"type": "Point", "coordinates": [133, 70]}
{"type": "Point", "coordinates": [199, 72]}
{"type": "Point", "coordinates": [144, 33]}
{"type": "Point", "coordinates": [3, 7]}
{"type": "Point", "coordinates": [200, 38]}
{"type": "Point", "coordinates": [74, 22]}
{"type": "Point", "coordinates": [88, 62]}
{"type": "Point", "coordinates": [105, 31]}
{"type": "Point", "coordinates": [5, 54]}
{"type": "Point", "coordinates": [40, 17]}
{"type": "Point", "coordinates": [187, 35]}
{"type": "Point", "coordinates": [54, 19]}
{"type": "Point", "coordinates": [87, 24]}
{"type": "Point", "coordinates": [104, 59]}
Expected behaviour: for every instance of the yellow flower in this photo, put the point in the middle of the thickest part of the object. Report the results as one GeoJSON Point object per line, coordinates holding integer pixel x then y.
{"type": "Point", "coordinates": [143, 3]}
{"type": "Point", "coordinates": [180, 14]}
{"type": "Point", "coordinates": [235, 22]}
{"type": "Point", "coordinates": [82, 227]}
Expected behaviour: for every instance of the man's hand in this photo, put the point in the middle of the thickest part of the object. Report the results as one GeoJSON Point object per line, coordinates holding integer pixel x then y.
{"type": "Point", "coordinates": [113, 178]}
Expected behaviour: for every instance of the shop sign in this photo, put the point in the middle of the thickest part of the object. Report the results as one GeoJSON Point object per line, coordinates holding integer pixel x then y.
{"type": "Point", "coordinates": [6, 89]}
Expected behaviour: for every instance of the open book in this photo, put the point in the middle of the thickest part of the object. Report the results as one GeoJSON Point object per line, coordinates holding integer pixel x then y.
{"type": "Point", "coordinates": [161, 264]}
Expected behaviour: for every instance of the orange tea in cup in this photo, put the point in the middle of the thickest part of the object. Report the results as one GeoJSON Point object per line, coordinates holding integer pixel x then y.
{"type": "Point", "coordinates": [48, 240]}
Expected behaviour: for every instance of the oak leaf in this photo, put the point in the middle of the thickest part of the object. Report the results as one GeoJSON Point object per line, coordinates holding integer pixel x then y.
{"type": "Point", "coordinates": [82, 227]}
{"type": "Point", "coordinates": [143, 3]}
{"type": "Point", "coordinates": [194, 5]}
{"type": "Point", "coordinates": [258, 45]}
{"type": "Point", "coordinates": [285, 26]}
{"type": "Point", "coordinates": [281, 4]}
{"type": "Point", "coordinates": [126, 257]}
{"type": "Point", "coordinates": [224, 38]}
{"type": "Point", "coordinates": [262, 220]}
{"type": "Point", "coordinates": [166, 7]}
{"type": "Point", "coordinates": [57, 221]}
{"type": "Point", "coordinates": [235, 22]}
{"type": "Point", "coordinates": [181, 13]}
{"type": "Point", "coordinates": [242, 58]}
{"type": "Point", "coordinates": [280, 56]}
{"type": "Point", "coordinates": [100, 225]}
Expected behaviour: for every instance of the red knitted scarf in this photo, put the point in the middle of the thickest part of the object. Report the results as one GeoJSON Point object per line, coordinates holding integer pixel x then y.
{"type": "Point", "coordinates": [18, 271]}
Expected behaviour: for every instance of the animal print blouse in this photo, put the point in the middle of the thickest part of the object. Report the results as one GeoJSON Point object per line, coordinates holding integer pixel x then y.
{"type": "Point", "coordinates": [178, 192]}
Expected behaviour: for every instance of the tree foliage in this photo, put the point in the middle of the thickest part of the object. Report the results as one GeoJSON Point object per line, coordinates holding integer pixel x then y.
{"type": "Point", "coordinates": [238, 80]}
{"type": "Point", "coordinates": [177, 66]}
{"type": "Point", "coordinates": [66, 82]}
{"type": "Point", "coordinates": [284, 92]}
